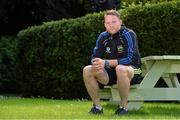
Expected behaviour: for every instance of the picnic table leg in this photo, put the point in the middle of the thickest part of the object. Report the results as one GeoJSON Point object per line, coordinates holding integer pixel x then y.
{"type": "Point", "coordinates": [155, 72]}
{"type": "Point", "coordinates": [134, 101]}
{"type": "Point", "coordinates": [167, 80]}
{"type": "Point", "coordinates": [135, 105]}
{"type": "Point", "coordinates": [171, 80]}
{"type": "Point", "coordinates": [174, 80]}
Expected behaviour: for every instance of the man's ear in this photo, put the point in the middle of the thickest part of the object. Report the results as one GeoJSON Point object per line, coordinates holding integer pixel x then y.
{"type": "Point", "coordinates": [120, 21]}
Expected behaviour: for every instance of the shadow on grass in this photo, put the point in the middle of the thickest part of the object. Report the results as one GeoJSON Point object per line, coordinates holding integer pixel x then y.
{"type": "Point", "coordinates": [110, 106]}
{"type": "Point", "coordinates": [153, 109]}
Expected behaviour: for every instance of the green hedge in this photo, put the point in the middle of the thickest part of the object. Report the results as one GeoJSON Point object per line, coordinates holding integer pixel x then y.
{"type": "Point", "coordinates": [131, 2]}
{"type": "Point", "coordinates": [8, 82]}
{"type": "Point", "coordinates": [157, 27]}
{"type": "Point", "coordinates": [51, 57]}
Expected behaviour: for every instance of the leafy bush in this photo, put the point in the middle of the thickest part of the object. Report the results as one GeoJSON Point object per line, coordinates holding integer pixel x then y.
{"type": "Point", "coordinates": [143, 2]}
{"type": "Point", "coordinates": [156, 26]}
{"type": "Point", "coordinates": [7, 65]}
{"type": "Point", "coordinates": [50, 57]}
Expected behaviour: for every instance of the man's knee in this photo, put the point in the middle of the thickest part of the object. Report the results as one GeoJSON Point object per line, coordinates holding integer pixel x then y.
{"type": "Point", "coordinates": [87, 71]}
{"type": "Point", "coordinates": [121, 70]}
{"type": "Point", "coordinates": [125, 71]}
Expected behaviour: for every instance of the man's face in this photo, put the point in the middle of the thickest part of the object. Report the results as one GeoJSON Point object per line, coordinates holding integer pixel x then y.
{"type": "Point", "coordinates": [112, 24]}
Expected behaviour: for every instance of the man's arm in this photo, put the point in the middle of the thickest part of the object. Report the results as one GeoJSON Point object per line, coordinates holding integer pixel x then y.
{"type": "Point", "coordinates": [131, 38]}
{"type": "Point", "coordinates": [98, 50]}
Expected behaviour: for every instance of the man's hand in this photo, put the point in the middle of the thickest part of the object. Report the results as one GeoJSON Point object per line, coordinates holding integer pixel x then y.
{"type": "Point", "coordinates": [97, 65]}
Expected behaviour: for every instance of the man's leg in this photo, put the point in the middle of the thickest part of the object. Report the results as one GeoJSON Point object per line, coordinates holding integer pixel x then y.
{"type": "Point", "coordinates": [91, 82]}
{"type": "Point", "coordinates": [124, 76]}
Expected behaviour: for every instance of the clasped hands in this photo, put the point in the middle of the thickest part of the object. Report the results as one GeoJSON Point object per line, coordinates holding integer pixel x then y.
{"type": "Point", "coordinates": [98, 65]}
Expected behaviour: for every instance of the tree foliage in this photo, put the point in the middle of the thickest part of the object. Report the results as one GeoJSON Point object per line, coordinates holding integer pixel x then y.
{"type": "Point", "coordinates": [19, 14]}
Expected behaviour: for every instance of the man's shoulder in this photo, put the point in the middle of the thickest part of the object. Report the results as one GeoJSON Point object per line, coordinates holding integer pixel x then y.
{"type": "Point", "coordinates": [104, 34]}
{"type": "Point", "coordinates": [126, 30]}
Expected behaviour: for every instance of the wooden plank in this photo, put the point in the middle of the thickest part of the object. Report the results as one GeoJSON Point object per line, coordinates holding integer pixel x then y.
{"type": "Point", "coordinates": [174, 67]}
{"type": "Point", "coordinates": [169, 57]}
{"type": "Point", "coordinates": [159, 94]}
{"type": "Point", "coordinates": [178, 57]}
{"type": "Point", "coordinates": [105, 94]}
{"type": "Point", "coordinates": [150, 94]}
{"type": "Point", "coordinates": [163, 57]}
{"type": "Point", "coordinates": [151, 58]}
{"type": "Point", "coordinates": [132, 86]}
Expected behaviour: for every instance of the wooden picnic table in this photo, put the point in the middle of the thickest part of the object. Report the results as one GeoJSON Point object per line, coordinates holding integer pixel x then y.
{"type": "Point", "coordinates": [154, 68]}
{"type": "Point", "coordinates": [166, 67]}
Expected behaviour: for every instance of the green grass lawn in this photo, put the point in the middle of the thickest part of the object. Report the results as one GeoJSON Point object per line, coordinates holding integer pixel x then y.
{"type": "Point", "coordinates": [39, 108]}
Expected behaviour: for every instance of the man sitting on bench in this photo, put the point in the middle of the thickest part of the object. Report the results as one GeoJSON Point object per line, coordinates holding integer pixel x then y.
{"type": "Point", "coordinates": [114, 59]}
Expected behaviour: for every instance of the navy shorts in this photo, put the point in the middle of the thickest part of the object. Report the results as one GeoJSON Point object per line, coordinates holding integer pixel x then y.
{"type": "Point", "coordinates": [113, 78]}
